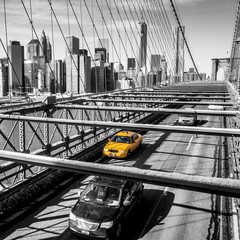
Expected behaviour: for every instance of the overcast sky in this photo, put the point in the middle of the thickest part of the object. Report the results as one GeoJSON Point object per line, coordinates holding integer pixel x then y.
{"type": "Point", "coordinates": [208, 24]}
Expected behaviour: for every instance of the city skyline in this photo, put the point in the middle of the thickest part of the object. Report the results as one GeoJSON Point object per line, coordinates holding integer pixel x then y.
{"type": "Point", "coordinates": [195, 15]}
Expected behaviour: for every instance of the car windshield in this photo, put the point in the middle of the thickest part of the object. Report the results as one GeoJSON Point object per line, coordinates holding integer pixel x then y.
{"type": "Point", "coordinates": [121, 139]}
{"type": "Point", "coordinates": [186, 115]}
{"type": "Point", "coordinates": [101, 194]}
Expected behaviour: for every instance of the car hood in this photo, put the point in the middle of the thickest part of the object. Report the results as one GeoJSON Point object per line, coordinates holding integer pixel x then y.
{"type": "Point", "coordinates": [118, 146]}
{"type": "Point", "coordinates": [94, 212]}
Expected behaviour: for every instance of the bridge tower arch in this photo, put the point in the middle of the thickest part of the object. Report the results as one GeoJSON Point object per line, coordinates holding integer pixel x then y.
{"type": "Point", "coordinates": [218, 63]}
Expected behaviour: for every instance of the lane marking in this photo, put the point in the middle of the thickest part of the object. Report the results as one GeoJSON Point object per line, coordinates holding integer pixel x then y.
{"type": "Point", "coordinates": [189, 143]}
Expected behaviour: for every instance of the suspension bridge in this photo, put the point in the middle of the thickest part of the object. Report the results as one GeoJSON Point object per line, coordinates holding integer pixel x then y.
{"type": "Point", "coordinates": [57, 115]}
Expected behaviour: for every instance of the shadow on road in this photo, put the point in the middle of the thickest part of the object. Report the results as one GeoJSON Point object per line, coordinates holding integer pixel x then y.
{"type": "Point", "coordinates": [148, 214]}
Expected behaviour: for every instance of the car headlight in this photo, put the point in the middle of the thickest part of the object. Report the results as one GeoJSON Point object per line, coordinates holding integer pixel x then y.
{"type": "Point", "coordinates": [122, 151]}
{"type": "Point", "coordinates": [107, 224]}
{"type": "Point", "coordinates": [72, 216]}
{"type": "Point", "coordinates": [106, 150]}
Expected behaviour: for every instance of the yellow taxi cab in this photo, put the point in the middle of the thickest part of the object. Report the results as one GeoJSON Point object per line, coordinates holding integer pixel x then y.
{"type": "Point", "coordinates": [122, 144]}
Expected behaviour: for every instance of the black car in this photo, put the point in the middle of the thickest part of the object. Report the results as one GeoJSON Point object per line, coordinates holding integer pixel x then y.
{"type": "Point", "coordinates": [102, 207]}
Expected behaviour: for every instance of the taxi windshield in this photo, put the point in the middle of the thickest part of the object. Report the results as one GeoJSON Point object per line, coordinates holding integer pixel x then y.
{"type": "Point", "coordinates": [101, 194]}
{"type": "Point", "coordinates": [121, 139]}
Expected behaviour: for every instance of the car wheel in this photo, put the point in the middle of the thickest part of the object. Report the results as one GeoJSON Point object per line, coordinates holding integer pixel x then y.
{"type": "Point", "coordinates": [128, 153]}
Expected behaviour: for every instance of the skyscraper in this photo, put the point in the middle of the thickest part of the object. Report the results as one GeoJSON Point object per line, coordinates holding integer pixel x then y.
{"type": "Point", "coordinates": [3, 77]}
{"type": "Point", "coordinates": [33, 49]}
{"type": "Point", "coordinates": [43, 40]}
{"type": "Point", "coordinates": [155, 63]}
{"type": "Point", "coordinates": [178, 46]}
{"type": "Point", "coordinates": [141, 64]}
{"type": "Point", "coordinates": [77, 68]}
{"type": "Point", "coordinates": [100, 53]}
{"type": "Point", "coordinates": [16, 67]}
{"type": "Point", "coordinates": [104, 43]}
{"type": "Point", "coordinates": [131, 64]}
{"type": "Point", "coordinates": [49, 51]}
{"type": "Point", "coordinates": [73, 45]}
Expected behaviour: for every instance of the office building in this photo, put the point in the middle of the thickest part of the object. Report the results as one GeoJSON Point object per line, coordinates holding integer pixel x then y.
{"type": "Point", "coordinates": [33, 49]}
{"type": "Point", "coordinates": [46, 48]}
{"type": "Point", "coordinates": [109, 76]}
{"type": "Point", "coordinates": [164, 66]}
{"type": "Point", "coordinates": [72, 74]}
{"type": "Point", "coordinates": [178, 47]}
{"type": "Point", "coordinates": [141, 64]}
{"type": "Point", "coordinates": [131, 64]}
{"type": "Point", "coordinates": [97, 76]}
{"type": "Point", "coordinates": [56, 77]}
{"type": "Point", "coordinates": [78, 69]}
{"type": "Point", "coordinates": [104, 43]}
{"type": "Point", "coordinates": [84, 74]}
{"type": "Point", "coordinates": [100, 54]}
{"type": "Point", "coordinates": [72, 46]}
{"type": "Point", "coordinates": [16, 68]}
{"type": "Point", "coordinates": [3, 77]}
{"type": "Point", "coordinates": [155, 63]}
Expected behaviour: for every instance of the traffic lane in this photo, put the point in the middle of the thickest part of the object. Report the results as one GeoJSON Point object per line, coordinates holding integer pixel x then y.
{"type": "Point", "coordinates": [152, 200]}
{"type": "Point", "coordinates": [51, 219]}
{"type": "Point", "coordinates": [190, 210]}
{"type": "Point", "coordinates": [190, 217]}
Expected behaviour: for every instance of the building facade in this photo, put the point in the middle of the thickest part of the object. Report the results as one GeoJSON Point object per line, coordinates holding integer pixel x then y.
{"type": "Point", "coordinates": [3, 77]}
{"type": "Point", "coordinates": [178, 47]}
{"type": "Point", "coordinates": [16, 67]}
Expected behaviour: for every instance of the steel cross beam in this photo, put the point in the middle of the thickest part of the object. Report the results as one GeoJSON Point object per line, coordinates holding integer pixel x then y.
{"type": "Point", "coordinates": [213, 185]}
{"type": "Point", "coordinates": [169, 96]}
{"type": "Point", "coordinates": [149, 110]}
{"type": "Point", "coordinates": [175, 93]}
{"type": "Point", "coordinates": [229, 132]}
{"type": "Point", "coordinates": [153, 102]}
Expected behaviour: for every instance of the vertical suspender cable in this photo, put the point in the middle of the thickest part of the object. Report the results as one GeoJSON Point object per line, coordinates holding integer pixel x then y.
{"type": "Point", "coordinates": [185, 40]}
{"type": "Point", "coordinates": [33, 73]}
{"type": "Point", "coordinates": [53, 57]}
{"type": "Point", "coordinates": [96, 75]}
{"type": "Point", "coordinates": [70, 52]}
{"type": "Point", "coordinates": [81, 22]}
{"type": "Point", "coordinates": [6, 35]}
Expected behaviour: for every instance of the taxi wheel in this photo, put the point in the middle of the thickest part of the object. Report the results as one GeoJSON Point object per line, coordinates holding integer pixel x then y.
{"type": "Point", "coordinates": [129, 153]}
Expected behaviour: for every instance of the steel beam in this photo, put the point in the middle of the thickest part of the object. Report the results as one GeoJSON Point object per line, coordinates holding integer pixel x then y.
{"type": "Point", "coordinates": [226, 187]}
{"type": "Point", "coordinates": [176, 93]}
{"type": "Point", "coordinates": [149, 110]}
{"type": "Point", "coordinates": [229, 132]}
{"type": "Point", "coordinates": [169, 96]}
{"type": "Point", "coordinates": [155, 102]}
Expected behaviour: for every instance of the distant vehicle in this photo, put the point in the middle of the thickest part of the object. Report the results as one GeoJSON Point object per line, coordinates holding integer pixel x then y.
{"type": "Point", "coordinates": [102, 207]}
{"type": "Point", "coordinates": [122, 144]}
{"type": "Point", "coordinates": [216, 107]}
{"type": "Point", "coordinates": [187, 118]}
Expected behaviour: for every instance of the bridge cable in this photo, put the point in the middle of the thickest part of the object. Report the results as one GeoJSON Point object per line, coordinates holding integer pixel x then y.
{"type": "Point", "coordinates": [50, 4]}
{"type": "Point", "coordinates": [160, 20]}
{"type": "Point", "coordinates": [128, 36]}
{"type": "Point", "coordinates": [161, 35]}
{"type": "Point", "coordinates": [6, 32]}
{"type": "Point", "coordinates": [183, 34]}
{"type": "Point", "coordinates": [53, 56]}
{"type": "Point", "coordinates": [143, 14]}
{"type": "Point", "coordinates": [139, 20]}
{"type": "Point", "coordinates": [34, 30]}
